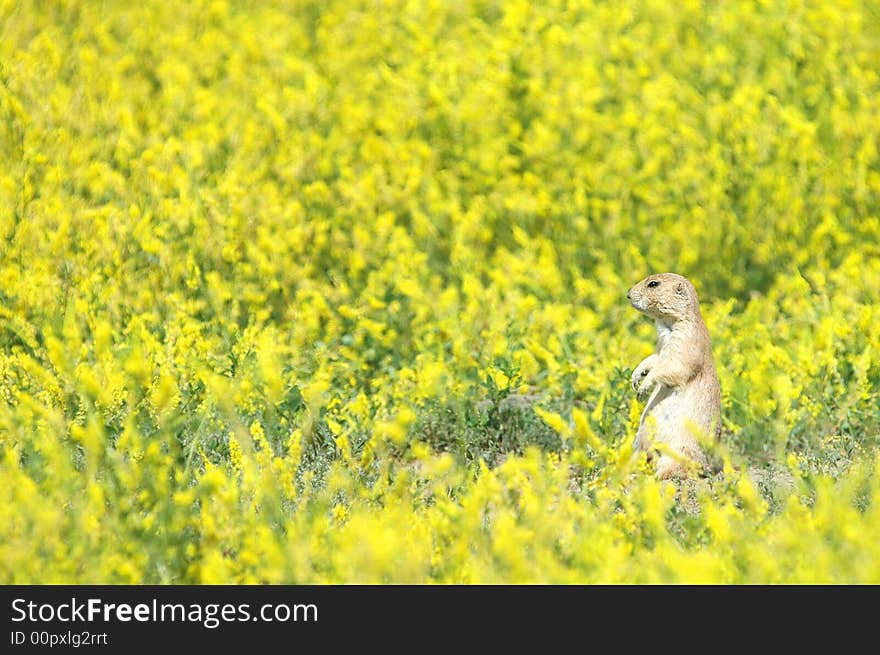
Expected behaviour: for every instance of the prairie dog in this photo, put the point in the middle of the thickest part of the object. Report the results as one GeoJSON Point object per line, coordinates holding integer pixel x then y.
{"type": "Point", "coordinates": [685, 396]}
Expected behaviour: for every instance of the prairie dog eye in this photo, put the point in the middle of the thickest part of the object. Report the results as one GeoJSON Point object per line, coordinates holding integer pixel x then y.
{"type": "Point", "coordinates": [653, 283]}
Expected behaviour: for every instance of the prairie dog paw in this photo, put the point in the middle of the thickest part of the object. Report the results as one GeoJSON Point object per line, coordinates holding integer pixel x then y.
{"type": "Point", "coordinates": [644, 386]}
{"type": "Point", "coordinates": [639, 375]}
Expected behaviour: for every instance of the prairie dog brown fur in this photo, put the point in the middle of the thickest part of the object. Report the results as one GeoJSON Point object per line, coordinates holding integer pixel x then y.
{"type": "Point", "coordinates": [680, 378]}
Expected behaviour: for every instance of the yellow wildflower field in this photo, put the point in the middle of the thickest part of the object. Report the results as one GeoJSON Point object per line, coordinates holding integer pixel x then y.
{"type": "Point", "coordinates": [333, 291]}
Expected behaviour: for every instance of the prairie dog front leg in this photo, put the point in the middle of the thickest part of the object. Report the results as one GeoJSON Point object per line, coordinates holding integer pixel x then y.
{"type": "Point", "coordinates": [670, 371]}
{"type": "Point", "coordinates": [642, 370]}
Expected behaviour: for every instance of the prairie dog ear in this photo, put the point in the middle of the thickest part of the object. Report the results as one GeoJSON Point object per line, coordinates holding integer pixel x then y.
{"type": "Point", "coordinates": [680, 290]}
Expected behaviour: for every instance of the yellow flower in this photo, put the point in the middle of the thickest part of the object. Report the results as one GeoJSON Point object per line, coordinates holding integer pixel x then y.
{"type": "Point", "coordinates": [235, 456]}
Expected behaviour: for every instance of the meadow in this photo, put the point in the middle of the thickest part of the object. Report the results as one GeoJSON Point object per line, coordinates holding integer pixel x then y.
{"type": "Point", "coordinates": [334, 291]}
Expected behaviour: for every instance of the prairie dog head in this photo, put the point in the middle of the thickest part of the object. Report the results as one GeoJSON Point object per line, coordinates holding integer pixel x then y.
{"type": "Point", "coordinates": [667, 297]}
